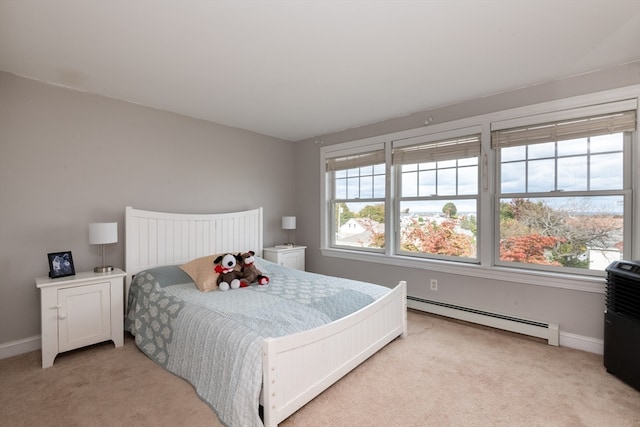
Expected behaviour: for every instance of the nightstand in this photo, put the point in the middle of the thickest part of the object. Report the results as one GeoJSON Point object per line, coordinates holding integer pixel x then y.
{"type": "Point", "coordinates": [80, 310]}
{"type": "Point", "coordinates": [292, 256]}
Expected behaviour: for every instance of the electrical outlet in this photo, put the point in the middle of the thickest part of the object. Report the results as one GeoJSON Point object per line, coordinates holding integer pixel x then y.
{"type": "Point", "coordinates": [434, 285]}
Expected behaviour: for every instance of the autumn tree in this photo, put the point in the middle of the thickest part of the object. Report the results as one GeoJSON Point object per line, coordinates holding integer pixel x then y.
{"type": "Point", "coordinates": [523, 220]}
{"type": "Point", "coordinates": [376, 240]}
{"type": "Point", "coordinates": [441, 239]}
{"type": "Point", "coordinates": [529, 249]}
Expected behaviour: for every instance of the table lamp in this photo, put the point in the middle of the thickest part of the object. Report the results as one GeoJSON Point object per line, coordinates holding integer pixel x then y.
{"type": "Point", "coordinates": [103, 233]}
{"type": "Point", "coordinates": [289, 223]}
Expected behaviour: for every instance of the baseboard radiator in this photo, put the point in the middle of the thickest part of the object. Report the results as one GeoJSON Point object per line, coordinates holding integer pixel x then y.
{"type": "Point", "coordinates": [534, 328]}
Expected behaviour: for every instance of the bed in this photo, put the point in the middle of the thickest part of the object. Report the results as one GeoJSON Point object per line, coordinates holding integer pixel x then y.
{"type": "Point", "coordinates": [276, 346]}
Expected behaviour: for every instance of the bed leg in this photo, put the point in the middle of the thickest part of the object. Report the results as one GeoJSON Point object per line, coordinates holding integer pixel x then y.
{"type": "Point", "coordinates": [403, 283]}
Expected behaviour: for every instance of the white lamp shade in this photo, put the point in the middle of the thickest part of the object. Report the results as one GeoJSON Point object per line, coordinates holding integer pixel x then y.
{"type": "Point", "coordinates": [288, 222]}
{"type": "Point", "coordinates": [102, 233]}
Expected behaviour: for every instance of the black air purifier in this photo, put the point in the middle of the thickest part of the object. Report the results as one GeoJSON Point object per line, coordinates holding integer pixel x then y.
{"type": "Point", "coordinates": [622, 322]}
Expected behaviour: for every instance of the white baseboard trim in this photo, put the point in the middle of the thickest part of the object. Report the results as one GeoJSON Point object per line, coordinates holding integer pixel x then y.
{"type": "Point", "coordinates": [580, 342]}
{"type": "Point", "coordinates": [15, 348]}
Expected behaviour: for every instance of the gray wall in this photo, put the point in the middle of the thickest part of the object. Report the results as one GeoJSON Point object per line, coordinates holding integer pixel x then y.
{"type": "Point", "coordinates": [68, 159]}
{"type": "Point", "coordinates": [576, 312]}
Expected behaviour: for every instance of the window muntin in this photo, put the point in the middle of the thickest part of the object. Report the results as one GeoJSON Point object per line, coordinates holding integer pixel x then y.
{"type": "Point", "coordinates": [358, 191]}
{"type": "Point", "coordinates": [490, 169]}
{"type": "Point", "coordinates": [359, 225]}
{"type": "Point", "coordinates": [447, 178]}
{"type": "Point", "coordinates": [563, 166]}
{"type": "Point", "coordinates": [442, 228]}
{"type": "Point", "coordinates": [360, 183]}
{"type": "Point", "coordinates": [561, 202]}
{"type": "Point", "coordinates": [579, 232]}
{"type": "Point", "coordinates": [438, 198]}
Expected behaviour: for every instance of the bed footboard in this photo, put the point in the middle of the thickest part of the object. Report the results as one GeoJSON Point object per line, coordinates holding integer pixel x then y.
{"type": "Point", "coordinates": [296, 368]}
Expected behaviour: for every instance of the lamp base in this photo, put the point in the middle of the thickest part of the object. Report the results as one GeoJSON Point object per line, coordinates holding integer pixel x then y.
{"type": "Point", "coordinates": [105, 269]}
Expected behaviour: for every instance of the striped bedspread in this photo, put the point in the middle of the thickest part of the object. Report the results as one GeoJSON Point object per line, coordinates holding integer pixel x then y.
{"type": "Point", "coordinates": [214, 340]}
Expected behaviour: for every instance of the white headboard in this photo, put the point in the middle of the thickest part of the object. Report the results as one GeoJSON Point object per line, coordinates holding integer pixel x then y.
{"type": "Point", "coordinates": [159, 238]}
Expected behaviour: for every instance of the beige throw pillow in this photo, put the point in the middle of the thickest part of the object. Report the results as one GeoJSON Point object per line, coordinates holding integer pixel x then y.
{"type": "Point", "coordinates": [202, 272]}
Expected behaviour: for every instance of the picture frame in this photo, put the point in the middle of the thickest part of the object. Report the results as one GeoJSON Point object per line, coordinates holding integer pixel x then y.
{"type": "Point", "coordinates": [61, 264]}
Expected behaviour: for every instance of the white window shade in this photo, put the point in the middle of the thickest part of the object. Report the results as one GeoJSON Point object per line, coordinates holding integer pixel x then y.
{"type": "Point", "coordinates": [434, 151]}
{"type": "Point", "coordinates": [355, 160]}
{"type": "Point", "coordinates": [565, 129]}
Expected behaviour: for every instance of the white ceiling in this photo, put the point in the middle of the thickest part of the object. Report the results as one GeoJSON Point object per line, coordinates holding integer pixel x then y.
{"type": "Point", "coordinates": [299, 69]}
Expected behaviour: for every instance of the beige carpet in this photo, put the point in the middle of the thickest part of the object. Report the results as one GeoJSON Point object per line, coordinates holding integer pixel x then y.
{"type": "Point", "coordinates": [444, 373]}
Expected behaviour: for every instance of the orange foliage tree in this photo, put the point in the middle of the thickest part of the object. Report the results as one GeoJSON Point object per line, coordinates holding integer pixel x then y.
{"type": "Point", "coordinates": [530, 249]}
{"type": "Point", "coordinates": [433, 238]}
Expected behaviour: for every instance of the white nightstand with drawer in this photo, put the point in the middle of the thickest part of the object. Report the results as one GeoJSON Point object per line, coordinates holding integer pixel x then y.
{"type": "Point", "coordinates": [80, 310]}
{"type": "Point", "coordinates": [291, 257]}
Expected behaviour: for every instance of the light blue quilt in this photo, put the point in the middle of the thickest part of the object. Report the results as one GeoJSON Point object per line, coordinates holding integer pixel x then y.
{"type": "Point", "coordinates": [214, 340]}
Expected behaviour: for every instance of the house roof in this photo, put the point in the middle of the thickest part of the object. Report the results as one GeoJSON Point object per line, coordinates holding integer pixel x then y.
{"type": "Point", "coordinates": [300, 69]}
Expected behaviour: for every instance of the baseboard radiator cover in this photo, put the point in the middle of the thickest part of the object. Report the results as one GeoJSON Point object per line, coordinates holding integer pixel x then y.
{"type": "Point", "coordinates": [535, 328]}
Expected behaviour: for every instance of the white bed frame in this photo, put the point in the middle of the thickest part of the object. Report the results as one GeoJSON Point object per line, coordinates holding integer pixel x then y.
{"type": "Point", "coordinates": [296, 368]}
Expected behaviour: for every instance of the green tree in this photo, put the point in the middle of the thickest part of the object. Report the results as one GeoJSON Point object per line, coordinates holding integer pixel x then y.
{"type": "Point", "coordinates": [374, 212]}
{"type": "Point", "coordinates": [469, 222]}
{"type": "Point", "coordinates": [343, 214]}
{"type": "Point", "coordinates": [569, 255]}
{"type": "Point", "coordinates": [450, 210]}
{"type": "Point", "coordinates": [506, 211]}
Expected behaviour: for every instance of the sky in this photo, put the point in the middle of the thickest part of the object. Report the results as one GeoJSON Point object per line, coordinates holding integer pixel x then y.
{"type": "Point", "coordinates": [574, 165]}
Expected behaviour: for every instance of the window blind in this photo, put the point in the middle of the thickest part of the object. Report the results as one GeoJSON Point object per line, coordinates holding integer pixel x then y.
{"type": "Point", "coordinates": [435, 151]}
{"type": "Point", "coordinates": [355, 160]}
{"type": "Point", "coordinates": [565, 130]}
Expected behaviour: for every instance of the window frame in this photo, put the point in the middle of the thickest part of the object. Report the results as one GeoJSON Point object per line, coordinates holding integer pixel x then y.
{"type": "Point", "coordinates": [558, 117]}
{"type": "Point", "coordinates": [400, 144]}
{"type": "Point", "coordinates": [486, 218]}
{"type": "Point", "coordinates": [328, 190]}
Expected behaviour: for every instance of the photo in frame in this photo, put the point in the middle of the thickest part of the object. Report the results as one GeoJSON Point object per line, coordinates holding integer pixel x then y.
{"type": "Point", "coordinates": [61, 264]}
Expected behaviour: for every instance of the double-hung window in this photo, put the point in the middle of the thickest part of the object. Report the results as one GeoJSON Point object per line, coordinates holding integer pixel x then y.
{"type": "Point", "coordinates": [357, 193]}
{"type": "Point", "coordinates": [437, 196]}
{"type": "Point", "coordinates": [543, 190]}
{"type": "Point", "coordinates": [564, 192]}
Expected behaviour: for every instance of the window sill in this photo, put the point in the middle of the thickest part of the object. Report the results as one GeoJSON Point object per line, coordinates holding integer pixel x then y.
{"type": "Point", "coordinates": [530, 277]}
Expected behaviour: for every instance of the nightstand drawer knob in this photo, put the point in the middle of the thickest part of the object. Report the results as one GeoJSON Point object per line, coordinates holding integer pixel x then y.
{"type": "Point", "coordinates": [55, 307]}
{"type": "Point", "coordinates": [62, 315]}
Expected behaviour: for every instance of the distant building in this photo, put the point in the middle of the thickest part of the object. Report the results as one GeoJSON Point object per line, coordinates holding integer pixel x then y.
{"type": "Point", "coordinates": [351, 227]}
{"type": "Point", "coordinates": [358, 231]}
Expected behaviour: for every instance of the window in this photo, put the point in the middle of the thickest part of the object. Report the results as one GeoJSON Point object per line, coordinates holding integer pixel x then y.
{"type": "Point", "coordinates": [438, 197]}
{"type": "Point", "coordinates": [358, 191]}
{"type": "Point", "coordinates": [547, 190]}
{"type": "Point", "coordinates": [563, 192]}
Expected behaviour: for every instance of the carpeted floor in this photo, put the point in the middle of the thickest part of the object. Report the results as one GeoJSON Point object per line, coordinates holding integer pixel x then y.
{"type": "Point", "coordinates": [444, 373]}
